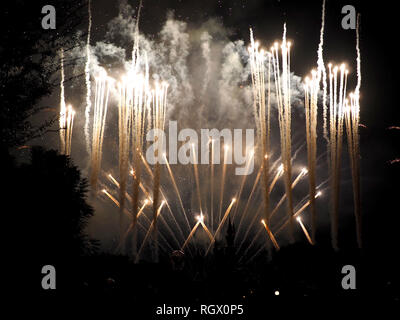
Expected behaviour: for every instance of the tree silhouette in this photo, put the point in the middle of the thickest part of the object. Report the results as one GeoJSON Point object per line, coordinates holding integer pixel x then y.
{"type": "Point", "coordinates": [53, 202]}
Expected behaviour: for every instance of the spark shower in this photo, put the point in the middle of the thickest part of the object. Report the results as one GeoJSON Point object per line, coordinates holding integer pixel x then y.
{"type": "Point", "coordinates": [154, 209]}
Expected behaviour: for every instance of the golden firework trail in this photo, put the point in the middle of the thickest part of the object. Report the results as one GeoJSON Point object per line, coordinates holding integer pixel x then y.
{"type": "Point", "coordinates": [87, 81]}
{"type": "Point", "coordinates": [207, 230]}
{"type": "Point", "coordinates": [111, 197]}
{"type": "Point", "coordinates": [337, 94]}
{"type": "Point", "coordinates": [358, 55]}
{"type": "Point", "coordinates": [159, 107]}
{"type": "Point", "coordinates": [239, 194]}
{"type": "Point", "coordinates": [190, 235]}
{"type": "Point", "coordinates": [113, 180]}
{"type": "Point", "coordinates": [304, 230]}
{"type": "Point", "coordinates": [132, 226]}
{"type": "Point", "coordinates": [147, 200]}
{"type": "Point", "coordinates": [135, 49]}
{"type": "Point", "coordinates": [141, 186]}
{"type": "Point", "coordinates": [221, 195]}
{"type": "Point", "coordinates": [321, 72]}
{"type": "Point", "coordinates": [103, 83]}
{"type": "Point", "coordinates": [296, 214]}
{"type": "Point", "coordinates": [173, 234]}
{"type": "Point", "coordinates": [282, 85]}
{"type": "Point", "coordinates": [249, 198]}
{"type": "Point", "coordinates": [262, 112]}
{"type": "Point", "coordinates": [135, 98]}
{"type": "Point", "coordinates": [128, 214]}
{"type": "Point", "coordinates": [221, 224]}
{"type": "Point", "coordinates": [279, 172]}
{"type": "Point", "coordinates": [124, 127]}
{"type": "Point", "coordinates": [200, 221]}
{"type": "Point", "coordinates": [67, 114]}
{"type": "Point", "coordinates": [116, 183]}
{"type": "Point", "coordinates": [276, 177]}
{"type": "Point", "coordinates": [176, 188]}
{"type": "Point", "coordinates": [141, 98]}
{"type": "Point", "coordinates": [352, 117]}
{"type": "Point", "coordinates": [69, 125]}
{"type": "Point", "coordinates": [196, 175]}
{"type": "Point", "coordinates": [311, 89]}
{"type": "Point", "coordinates": [164, 197]}
{"type": "Point", "coordinates": [270, 234]}
{"type": "Point", "coordinates": [63, 108]}
{"type": "Point", "coordinates": [302, 173]}
{"type": "Point", "coordinates": [149, 232]}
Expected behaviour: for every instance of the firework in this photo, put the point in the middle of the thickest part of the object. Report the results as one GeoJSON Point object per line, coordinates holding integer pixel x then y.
{"type": "Point", "coordinates": [103, 83]}
{"type": "Point", "coordinates": [212, 184]}
{"type": "Point", "coordinates": [304, 230]}
{"type": "Point", "coordinates": [132, 226]}
{"type": "Point", "coordinates": [69, 125]}
{"type": "Point", "coordinates": [322, 72]}
{"type": "Point", "coordinates": [296, 214]}
{"type": "Point", "coordinates": [352, 119]}
{"type": "Point", "coordinates": [200, 221]}
{"type": "Point", "coordinates": [276, 177]}
{"type": "Point", "coordinates": [302, 173]}
{"type": "Point", "coordinates": [243, 183]}
{"type": "Point", "coordinates": [63, 108]}
{"type": "Point", "coordinates": [128, 214]}
{"type": "Point", "coordinates": [87, 81]}
{"type": "Point", "coordinates": [282, 85]}
{"type": "Point", "coordinates": [142, 106]}
{"type": "Point", "coordinates": [158, 115]}
{"type": "Point", "coordinates": [228, 210]}
{"type": "Point", "coordinates": [221, 195]}
{"type": "Point", "coordinates": [135, 99]}
{"type": "Point", "coordinates": [176, 188]}
{"type": "Point", "coordinates": [190, 234]}
{"type": "Point", "coordinates": [148, 232]}
{"type": "Point", "coordinates": [147, 201]}
{"type": "Point", "coordinates": [262, 111]}
{"type": "Point", "coordinates": [165, 199]}
{"type": "Point", "coordinates": [311, 88]}
{"type": "Point", "coordinates": [196, 175]}
{"type": "Point", "coordinates": [206, 230]}
{"type": "Point", "coordinates": [352, 115]}
{"type": "Point", "coordinates": [111, 197]}
{"type": "Point", "coordinates": [270, 234]}
{"type": "Point", "coordinates": [249, 198]}
{"type": "Point", "coordinates": [337, 94]}
{"type": "Point", "coordinates": [67, 114]}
